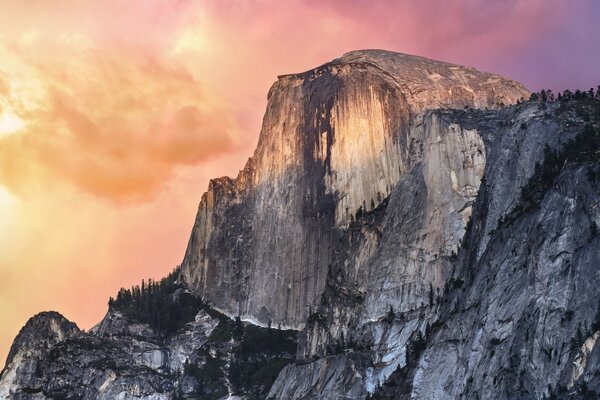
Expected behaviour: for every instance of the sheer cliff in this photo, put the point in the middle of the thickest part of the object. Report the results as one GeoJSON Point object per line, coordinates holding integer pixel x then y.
{"type": "Point", "coordinates": [402, 230]}
{"type": "Point", "coordinates": [511, 311]}
{"type": "Point", "coordinates": [334, 140]}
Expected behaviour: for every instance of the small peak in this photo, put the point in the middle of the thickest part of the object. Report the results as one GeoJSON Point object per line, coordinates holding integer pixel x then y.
{"type": "Point", "coordinates": [374, 53]}
{"type": "Point", "coordinates": [42, 330]}
{"type": "Point", "coordinates": [401, 64]}
{"type": "Point", "coordinates": [49, 323]}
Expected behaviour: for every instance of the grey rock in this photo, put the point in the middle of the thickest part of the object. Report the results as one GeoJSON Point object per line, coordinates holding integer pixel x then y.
{"type": "Point", "coordinates": [531, 276]}
{"type": "Point", "coordinates": [121, 359]}
{"type": "Point", "coordinates": [39, 334]}
{"type": "Point", "coordinates": [518, 314]}
{"type": "Point", "coordinates": [334, 139]}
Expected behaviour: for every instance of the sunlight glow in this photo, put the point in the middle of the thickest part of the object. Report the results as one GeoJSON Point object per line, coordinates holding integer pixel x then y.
{"type": "Point", "coordinates": [10, 123]}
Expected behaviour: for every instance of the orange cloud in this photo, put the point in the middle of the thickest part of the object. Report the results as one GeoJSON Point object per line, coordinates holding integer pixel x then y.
{"type": "Point", "coordinates": [113, 128]}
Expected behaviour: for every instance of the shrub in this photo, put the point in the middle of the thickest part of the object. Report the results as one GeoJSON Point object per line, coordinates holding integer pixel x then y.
{"type": "Point", "coordinates": [155, 303]}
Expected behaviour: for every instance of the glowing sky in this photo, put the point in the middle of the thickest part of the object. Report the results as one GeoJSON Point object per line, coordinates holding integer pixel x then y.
{"type": "Point", "coordinates": [115, 113]}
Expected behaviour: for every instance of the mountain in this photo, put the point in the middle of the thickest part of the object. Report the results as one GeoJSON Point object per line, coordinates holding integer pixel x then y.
{"type": "Point", "coordinates": [334, 139]}
{"type": "Point", "coordinates": [406, 228]}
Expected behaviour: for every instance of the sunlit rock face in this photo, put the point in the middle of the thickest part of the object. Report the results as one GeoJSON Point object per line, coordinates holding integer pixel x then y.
{"type": "Point", "coordinates": [511, 313]}
{"type": "Point", "coordinates": [396, 259]}
{"type": "Point", "coordinates": [400, 259]}
{"type": "Point", "coordinates": [335, 140]}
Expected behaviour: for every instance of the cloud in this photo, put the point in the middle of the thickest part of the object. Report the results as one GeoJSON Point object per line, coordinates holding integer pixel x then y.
{"type": "Point", "coordinates": [114, 112]}
{"type": "Point", "coordinates": [115, 124]}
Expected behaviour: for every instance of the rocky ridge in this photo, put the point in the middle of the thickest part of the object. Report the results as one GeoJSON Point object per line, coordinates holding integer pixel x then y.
{"type": "Point", "coordinates": [123, 357]}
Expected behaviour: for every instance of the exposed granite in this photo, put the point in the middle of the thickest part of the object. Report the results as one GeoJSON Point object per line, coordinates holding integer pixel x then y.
{"type": "Point", "coordinates": [517, 312]}
{"type": "Point", "coordinates": [334, 139]}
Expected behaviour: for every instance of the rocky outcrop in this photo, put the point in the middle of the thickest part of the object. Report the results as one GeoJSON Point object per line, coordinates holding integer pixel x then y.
{"type": "Point", "coordinates": [335, 140]}
{"type": "Point", "coordinates": [52, 358]}
{"type": "Point", "coordinates": [528, 313]}
{"type": "Point", "coordinates": [40, 334]}
{"type": "Point", "coordinates": [516, 314]}
{"type": "Point", "coordinates": [124, 357]}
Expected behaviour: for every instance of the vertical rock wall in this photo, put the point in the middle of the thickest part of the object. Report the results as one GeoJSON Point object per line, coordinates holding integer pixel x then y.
{"type": "Point", "coordinates": [334, 140]}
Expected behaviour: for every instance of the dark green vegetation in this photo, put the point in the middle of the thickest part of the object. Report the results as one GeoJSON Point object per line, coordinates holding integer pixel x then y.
{"type": "Point", "coordinates": [238, 357]}
{"type": "Point", "coordinates": [585, 147]}
{"type": "Point", "coordinates": [567, 95]}
{"type": "Point", "coordinates": [164, 305]}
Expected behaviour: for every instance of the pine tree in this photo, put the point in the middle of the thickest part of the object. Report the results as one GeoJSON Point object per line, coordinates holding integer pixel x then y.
{"type": "Point", "coordinates": [430, 295]}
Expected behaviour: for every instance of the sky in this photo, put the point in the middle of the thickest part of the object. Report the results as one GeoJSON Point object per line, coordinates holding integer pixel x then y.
{"type": "Point", "coordinates": [114, 114]}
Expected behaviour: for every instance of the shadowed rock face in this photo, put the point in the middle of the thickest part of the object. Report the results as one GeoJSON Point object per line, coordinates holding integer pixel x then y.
{"type": "Point", "coordinates": [527, 318]}
{"type": "Point", "coordinates": [511, 313]}
{"type": "Point", "coordinates": [41, 333]}
{"type": "Point", "coordinates": [123, 357]}
{"type": "Point", "coordinates": [335, 139]}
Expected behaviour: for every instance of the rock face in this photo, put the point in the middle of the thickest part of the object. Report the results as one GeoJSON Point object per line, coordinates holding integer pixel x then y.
{"type": "Point", "coordinates": [40, 333]}
{"type": "Point", "coordinates": [398, 258]}
{"type": "Point", "coordinates": [528, 314]}
{"type": "Point", "coordinates": [423, 239]}
{"type": "Point", "coordinates": [52, 358]}
{"type": "Point", "coordinates": [511, 313]}
{"type": "Point", "coordinates": [335, 139]}
{"type": "Point", "coordinates": [123, 357]}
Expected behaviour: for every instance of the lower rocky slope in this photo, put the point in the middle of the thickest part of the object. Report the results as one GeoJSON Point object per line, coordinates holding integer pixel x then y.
{"type": "Point", "coordinates": [127, 356]}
